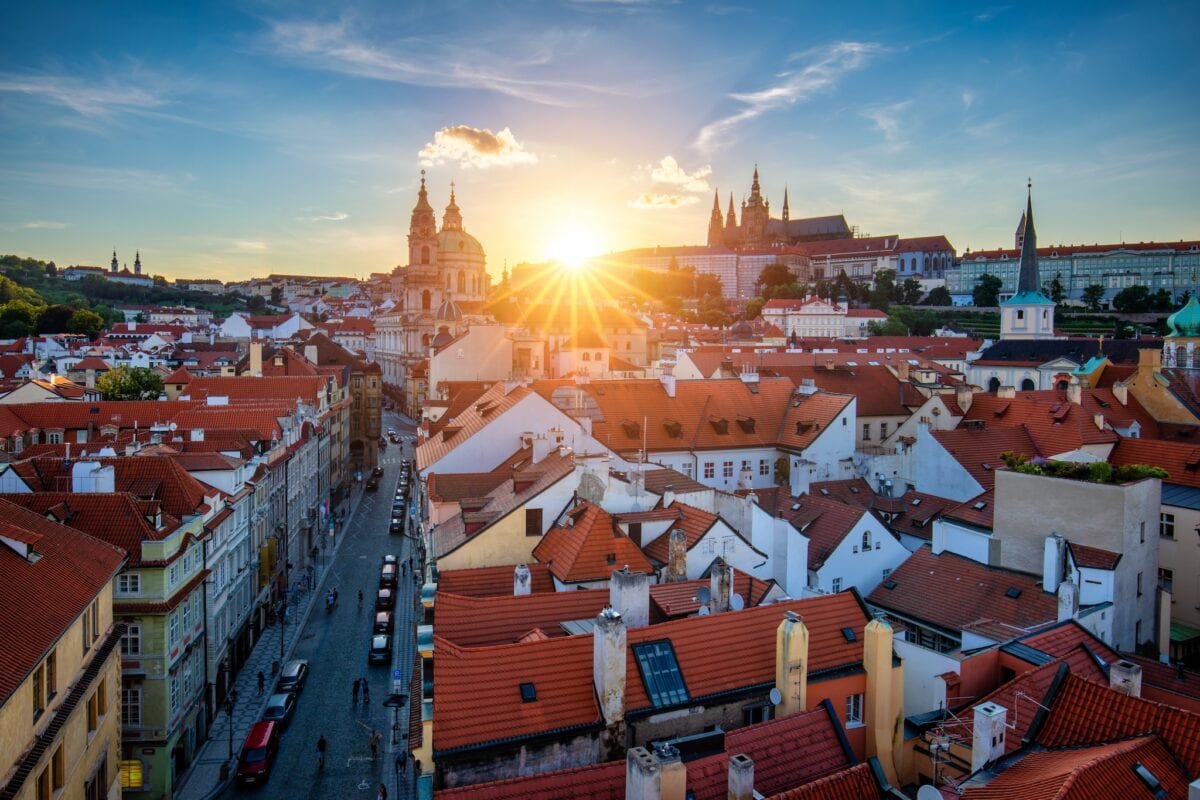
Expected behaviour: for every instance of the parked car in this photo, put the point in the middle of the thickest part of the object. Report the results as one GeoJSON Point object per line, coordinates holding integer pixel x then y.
{"type": "Point", "coordinates": [384, 620]}
{"type": "Point", "coordinates": [258, 752]}
{"type": "Point", "coordinates": [388, 577]}
{"type": "Point", "coordinates": [397, 526]}
{"type": "Point", "coordinates": [279, 708]}
{"type": "Point", "coordinates": [293, 676]}
{"type": "Point", "coordinates": [385, 600]}
{"type": "Point", "coordinates": [373, 484]}
{"type": "Point", "coordinates": [389, 559]}
{"type": "Point", "coordinates": [377, 472]}
{"type": "Point", "coordinates": [381, 649]}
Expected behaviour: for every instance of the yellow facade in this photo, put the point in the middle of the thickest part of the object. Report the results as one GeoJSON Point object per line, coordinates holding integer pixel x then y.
{"type": "Point", "coordinates": [503, 542]}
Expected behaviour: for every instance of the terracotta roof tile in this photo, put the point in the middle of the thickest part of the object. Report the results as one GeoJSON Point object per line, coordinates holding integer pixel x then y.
{"type": "Point", "coordinates": [1093, 557]}
{"type": "Point", "coordinates": [807, 417]}
{"type": "Point", "coordinates": [694, 522]}
{"type": "Point", "coordinates": [855, 783]}
{"type": "Point", "coordinates": [492, 581]}
{"type": "Point", "coordinates": [461, 426]}
{"type": "Point", "coordinates": [588, 546]}
{"type": "Point", "coordinates": [1180, 460]}
{"type": "Point", "coordinates": [979, 450]}
{"type": "Point", "coordinates": [147, 477]}
{"type": "Point", "coordinates": [477, 621]}
{"type": "Point", "coordinates": [119, 519]}
{"type": "Point", "coordinates": [825, 522]}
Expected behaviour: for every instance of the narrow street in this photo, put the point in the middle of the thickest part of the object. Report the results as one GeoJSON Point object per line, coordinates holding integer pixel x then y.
{"type": "Point", "coordinates": [336, 645]}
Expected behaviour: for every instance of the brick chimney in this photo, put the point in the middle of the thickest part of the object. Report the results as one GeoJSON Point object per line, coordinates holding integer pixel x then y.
{"type": "Point", "coordinates": [522, 581]}
{"type": "Point", "coordinates": [667, 378]}
{"type": "Point", "coordinates": [1125, 677]}
{"type": "Point", "coordinates": [902, 370]}
{"type": "Point", "coordinates": [676, 556]}
{"type": "Point", "coordinates": [720, 586]}
{"type": "Point", "coordinates": [964, 396]}
{"type": "Point", "coordinates": [741, 777]}
{"type": "Point", "coordinates": [657, 775]}
{"type": "Point", "coordinates": [256, 350]}
{"type": "Point", "coordinates": [1068, 601]}
{"type": "Point", "coordinates": [1075, 392]}
{"type": "Point", "coordinates": [608, 676]}
{"type": "Point", "coordinates": [791, 664]}
{"type": "Point", "coordinates": [883, 706]}
{"type": "Point", "coordinates": [673, 772]}
{"type": "Point", "coordinates": [629, 594]}
{"type": "Point", "coordinates": [987, 734]}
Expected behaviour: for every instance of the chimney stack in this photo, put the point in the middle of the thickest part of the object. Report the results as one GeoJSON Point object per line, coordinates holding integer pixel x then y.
{"type": "Point", "coordinates": [964, 396]}
{"type": "Point", "coordinates": [658, 775]}
{"type": "Point", "coordinates": [668, 496]}
{"type": "Point", "coordinates": [522, 581]}
{"type": "Point", "coordinates": [800, 477]}
{"type": "Point", "coordinates": [791, 665]}
{"type": "Point", "coordinates": [1098, 418]}
{"type": "Point", "coordinates": [256, 353]}
{"type": "Point", "coordinates": [1053, 561]}
{"type": "Point", "coordinates": [1075, 392]}
{"type": "Point", "coordinates": [629, 594]}
{"type": "Point", "coordinates": [676, 556]}
{"type": "Point", "coordinates": [608, 676]}
{"type": "Point", "coordinates": [667, 378]}
{"type": "Point", "coordinates": [1068, 601]}
{"type": "Point", "coordinates": [310, 352]}
{"type": "Point", "coordinates": [720, 586]}
{"type": "Point", "coordinates": [741, 777]}
{"type": "Point", "coordinates": [1006, 392]}
{"type": "Point", "coordinates": [543, 445]}
{"type": "Point", "coordinates": [1120, 391]}
{"type": "Point", "coordinates": [987, 734]}
{"type": "Point", "coordinates": [673, 772]}
{"type": "Point", "coordinates": [902, 370]}
{"type": "Point", "coordinates": [883, 706]}
{"type": "Point", "coordinates": [1125, 677]}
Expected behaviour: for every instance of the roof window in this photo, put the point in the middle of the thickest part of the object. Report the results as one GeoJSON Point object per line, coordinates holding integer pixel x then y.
{"type": "Point", "coordinates": [528, 693]}
{"type": "Point", "coordinates": [746, 424]}
{"type": "Point", "coordinates": [916, 501]}
{"type": "Point", "coordinates": [660, 673]}
{"type": "Point", "coordinates": [1013, 593]}
{"type": "Point", "coordinates": [720, 425]}
{"type": "Point", "coordinates": [632, 429]}
{"type": "Point", "coordinates": [1147, 777]}
{"type": "Point", "coordinates": [889, 585]}
{"type": "Point", "coordinates": [980, 506]}
{"type": "Point", "coordinates": [849, 635]}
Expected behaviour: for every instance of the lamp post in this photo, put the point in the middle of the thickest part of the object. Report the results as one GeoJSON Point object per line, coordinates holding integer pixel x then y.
{"type": "Point", "coordinates": [282, 532]}
{"type": "Point", "coordinates": [229, 714]}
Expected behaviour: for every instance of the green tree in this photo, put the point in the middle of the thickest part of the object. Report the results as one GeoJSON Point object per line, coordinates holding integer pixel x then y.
{"type": "Point", "coordinates": [276, 295]}
{"type": "Point", "coordinates": [17, 319]}
{"type": "Point", "coordinates": [987, 291]}
{"type": "Point", "coordinates": [672, 303]}
{"type": "Point", "coordinates": [714, 313]}
{"type": "Point", "coordinates": [86, 322]}
{"type": "Point", "coordinates": [883, 294]}
{"type": "Point", "coordinates": [892, 326]}
{"type": "Point", "coordinates": [55, 318]}
{"type": "Point", "coordinates": [1132, 300]}
{"type": "Point", "coordinates": [708, 285]}
{"type": "Point", "coordinates": [1055, 290]}
{"type": "Point", "coordinates": [774, 275]}
{"type": "Point", "coordinates": [1092, 295]}
{"type": "Point", "coordinates": [130, 383]}
{"type": "Point", "coordinates": [1162, 301]}
{"type": "Point", "coordinates": [910, 292]}
{"type": "Point", "coordinates": [753, 307]}
{"type": "Point", "coordinates": [938, 296]}
{"type": "Point", "coordinates": [256, 304]}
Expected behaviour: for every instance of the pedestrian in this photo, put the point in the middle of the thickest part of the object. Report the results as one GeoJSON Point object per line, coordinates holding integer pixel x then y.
{"type": "Point", "coordinates": [366, 692]}
{"type": "Point", "coordinates": [356, 685]}
{"type": "Point", "coordinates": [382, 793]}
{"type": "Point", "coordinates": [374, 739]}
{"type": "Point", "coordinates": [262, 682]}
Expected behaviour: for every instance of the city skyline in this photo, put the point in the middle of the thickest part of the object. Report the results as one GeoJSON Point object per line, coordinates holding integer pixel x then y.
{"type": "Point", "coordinates": [226, 143]}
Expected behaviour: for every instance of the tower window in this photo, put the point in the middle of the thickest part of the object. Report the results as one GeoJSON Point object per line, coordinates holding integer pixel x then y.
{"type": "Point", "coordinates": [425, 254]}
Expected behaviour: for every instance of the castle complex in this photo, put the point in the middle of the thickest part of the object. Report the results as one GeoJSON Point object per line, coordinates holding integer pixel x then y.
{"type": "Point", "coordinates": [757, 229]}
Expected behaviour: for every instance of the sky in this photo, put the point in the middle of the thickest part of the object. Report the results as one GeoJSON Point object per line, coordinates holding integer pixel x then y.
{"type": "Point", "coordinates": [234, 140]}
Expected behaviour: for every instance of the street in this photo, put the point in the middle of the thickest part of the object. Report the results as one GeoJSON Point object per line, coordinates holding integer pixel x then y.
{"type": "Point", "coordinates": [336, 645]}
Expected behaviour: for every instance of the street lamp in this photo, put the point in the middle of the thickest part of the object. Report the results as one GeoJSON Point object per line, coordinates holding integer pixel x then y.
{"type": "Point", "coordinates": [229, 715]}
{"type": "Point", "coordinates": [281, 529]}
{"type": "Point", "coordinates": [395, 701]}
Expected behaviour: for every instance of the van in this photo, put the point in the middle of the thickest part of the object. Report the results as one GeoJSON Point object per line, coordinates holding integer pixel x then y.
{"type": "Point", "coordinates": [258, 753]}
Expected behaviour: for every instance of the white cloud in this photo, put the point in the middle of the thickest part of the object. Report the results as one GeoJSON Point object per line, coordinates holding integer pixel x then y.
{"type": "Point", "coordinates": [250, 246]}
{"type": "Point", "coordinates": [475, 147]}
{"type": "Point", "coordinates": [651, 200]}
{"type": "Point", "coordinates": [84, 98]}
{"type": "Point", "coordinates": [826, 65]}
{"type": "Point", "coordinates": [888, 119]}
{"type": "Point", "coordinates": [968, 98]}
{"type": "Point", "coordinates": [336, 216]}
{"type": "Point", "coordinates": [43, 225]}
{"type": "Point", "coordinates": [669, 173]}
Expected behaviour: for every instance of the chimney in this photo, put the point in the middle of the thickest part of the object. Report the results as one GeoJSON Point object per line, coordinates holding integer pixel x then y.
{"type": "Point", "coordinates": [1125, 677]}
{"type": "Point", "coordinates": [667, 378]}
{"type": "Point", "coordinates": [660, 775]}
{"type": "Point", "coordinates": [1164, 626]}
{"type": "Point", "coordinates": [90, 476]}
{"type": "Point", "coordinates": [748, 374]}
{"type": "Point", "coordinates": [522, 582]}
{"type": "Point", "coordinates": [1098, 418]}
{"type": "Point", "coordinates": [256, 359]}
{"type": "Point", "coordinates": [1075, 392]}
{"type": "Point", "coordinates": [883, 706]}
{"type": "Point", "coordinates": [310, 352]}
{"type": "Point", "coordinates": [608, 671]}
{"type": "Point", "coordinates": [741, 777]}
{"type": "Point", "coordinates": [791, 665]}
{"type": "Point", "coordinates": [964, 396]}
{"type": "Point", "coordinates": [668, 496]}
{"type": "Point", "coordinates": [800, 477]}
{"type": "Point", "coordinates": [1053, 561]}
{"type": "Point", "coordinates": [677, 556]}
{"type": "Point", "coordinates": [1120, 391]}
{"type": "Point", "coordinates": [542, 447]}
{"type": "Point", "coordinates": [629, 594]}
{"type": "Point", "coordinates": [720, 586]}
{"type": "Point", "coordinates": [1068, 601]}
{"type": "Point", "coordinates": [1006, 392]}
{"type": "Point", "coordinates": [987, 734]}
{"type": "Point", "coordinates": [902, 370]}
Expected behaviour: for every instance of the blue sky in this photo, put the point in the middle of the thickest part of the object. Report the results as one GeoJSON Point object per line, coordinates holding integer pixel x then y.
{"type": "Point", "coordinates": [232, 140]}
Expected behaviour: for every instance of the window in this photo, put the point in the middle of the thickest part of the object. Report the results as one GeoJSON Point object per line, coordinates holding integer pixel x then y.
{"type": "Point", "coordinates": [1139, 584]}
{"type": "Point", "coordinates": [635, 533]}
{"type": "Point", "coordinates": [1142, 531]}
{"type": "Point", "coordinates": [39, 690]}
{"type": "Point", "coordinates": [51, 674]}
{"type": "Point", "coordinates": [173, 637]}
{"type": "Point", "coordinates": [533, 522]}
{"type": "Point", "coordinates": [174, 695]}
{"type": "Point", "coordinates": [1020, 314]}
{"type": "Point", "coordinates": [727, 469]}
{"type": "Point", "coordinates": [173, 574]}
{"type": "Point", "coordinates": [131, 706]}
{"type": "Point", "coordinates": [96, 787]}
{"type": "Point", "coordinates": [764, 467]}
{"type": "Point", "coordinates": [187, 614]}
{"type": "Point", "coordinates": [1166, 525]}
{"type": "Point", "coordinates": [102, 697]}
{"type": "Point", "coordinates": [93, 712]}
{"type": "Point", "coordinates": [87, 633]}
{"type": "Point", "coordinates": [883, 430]}
{"type": "Point", "coordinates": [587, 357]}
{"type": "Point", "coordinates": [866, 432]}
{"type": "Point", "coordinates": [44, 787]}
{"type": "Point", "coordinates": [710, 470]}
{"type": "Point", "coordinates": [866, 541]}
{"type": "Point", "coordinates": [660, 673]}
{"type": "Point", "coordinates": [58, 768]}
{"type": "Point", "coordinates": [1166, 579]}
{"type": "Point", "coordinates": [837, 585]}
{"type": "Point", "coordinates": [759, 712]}
{"type": "Point", "coordinates": [688, 469]}
{"type": "Point", "coordinates": [886, 571]}
{"type": "Point", "coordinates": [854, 709]}
{"type": "Point", "coordinates": [54, 438]}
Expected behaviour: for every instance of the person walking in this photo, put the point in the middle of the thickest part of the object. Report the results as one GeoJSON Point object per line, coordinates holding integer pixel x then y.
{"type": "Point", "coordinates": [366, 692]}
{"type": "Point", "coordinates": [360, 599]}
{"type": "Point", "coordinates": [382, 793]}
{"type": "Point", "coordinates": [262, 682]}
{"type": "Point", "coordinates": [374, 740]}
{"type": "Point", "coordinates": [321, 745]}
{"type": "Point", "coordinates": [356, 685]}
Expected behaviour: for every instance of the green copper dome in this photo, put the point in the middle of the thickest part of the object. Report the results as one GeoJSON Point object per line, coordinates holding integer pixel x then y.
{"type": "Point", "coordinates": [1185, 323]}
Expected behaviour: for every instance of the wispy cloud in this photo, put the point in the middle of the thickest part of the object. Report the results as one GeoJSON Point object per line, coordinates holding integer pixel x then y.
{"type": "Point", "coordinates": [98, 178]}
{"type": "Point", "coordinates": [341, 48]}
{"type": "Point", "coordinates": [889, 120]}
{"type": "Point", "coordinates": [989, 14]}
{"type": "Point", "coordinates": [336, 216]}
{"type": "Point", "coordinates": [475, 147]}
{"type": "Point", "coordinates": [822, 69]}
{"type": "Point", "coordinates": [656, 201]}
{"type": "Point", "coordinates": [620, 6]}
{"type": "Point", "coordinates": [668, 172]}
{"type": "Point", "coordinates": [250, 246]}
{"type": "Point", "coordinates": [86, 98]}
{"type": "Point", "coordinates": [43, 225]}
{"type": "Point", "coordinates": [968, 98]}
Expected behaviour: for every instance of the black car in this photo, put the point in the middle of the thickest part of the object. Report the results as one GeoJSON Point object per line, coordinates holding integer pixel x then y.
{"type": "Point", "coordinates": [377, 472]}
{"type": "Point", "coordinates": [373, 485]}
{"type": "Point", "coordinates": [292, 676]}
{"type": "Point", "coordinates": [397, 526]}
{"type": "Point", "coordinates": [385, 600]}
{"type": "Point", "coordinates": [280, 708]}
{"type": "Point", "coordinates": [381, 649]}
{"type": "Point", "coordinates": [390, 559]}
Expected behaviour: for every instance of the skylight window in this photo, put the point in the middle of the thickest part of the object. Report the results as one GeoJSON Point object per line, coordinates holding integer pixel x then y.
{"type": "Point", "coordinates": [1013, 593]}
{"type": "Point", "coordinates": [849, 635]}
{"type": "Point", "coordinates": [1147, 777]}
{"type": "Point", "coordinates": [660, 673]}
{"type": "Point", "coordinates": [824, 491]}
{"type": "Point", "coordinates": [916, 501]}
{"type": "Point", "coordinates": [528, 693]}
{"type": "Point", "coordinates": [980, 506]}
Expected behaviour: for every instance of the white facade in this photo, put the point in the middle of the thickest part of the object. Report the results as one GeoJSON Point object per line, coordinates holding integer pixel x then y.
{"type": "Point", "coordinates": [867, 554]}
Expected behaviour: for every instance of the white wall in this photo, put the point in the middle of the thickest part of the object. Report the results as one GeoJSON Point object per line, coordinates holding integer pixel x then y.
{"type": "Point", "coordinates": [967, 542]}
{"type": "Point", "coordinates": [939, 473]}
{"type": "Point", "coordinates": [862, 570]}
{"type": "Point", "coordinates": [922, 692]}
{"type": "Point", "coordinates": [721, 540]}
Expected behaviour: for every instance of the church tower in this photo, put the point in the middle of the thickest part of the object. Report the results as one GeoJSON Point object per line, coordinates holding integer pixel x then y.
{"type": "Point", "coordinates": [114, 265]}
{"type": "Point", "coordinates": [731, 224]}
{"type": "Point", "coordinates": [422, 230]}
{"type": "Point", "coordinates": [716, 230]}
{"type": "Point", "coordinates": [755, 216]}
{"type": "Point", "coordinates": [1028, 314]}
{"type": "Point", "coordinates": [452, 219]}
{"type": "Point", "coordinates": [786, 215]}
{"type": "Point", "coordinates": [137, 263]}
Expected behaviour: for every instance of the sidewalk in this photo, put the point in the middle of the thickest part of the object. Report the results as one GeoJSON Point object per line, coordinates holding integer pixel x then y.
{"type": "Point", "coordinates": [203, 778]}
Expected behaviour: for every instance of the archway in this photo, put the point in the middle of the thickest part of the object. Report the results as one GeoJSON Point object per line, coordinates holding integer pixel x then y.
{"type": "Point", "coordinates": [1027, 385]}
{"type": "Point", "coordinates": [993, 384]}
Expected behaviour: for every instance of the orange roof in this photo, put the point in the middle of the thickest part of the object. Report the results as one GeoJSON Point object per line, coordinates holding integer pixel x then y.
{"type": "Point", "coordinates": [979, 449]}
{"type": "Point", "coordinates": [147, 477]}
{"type": "Point", "coordinates": [283, 387]}
{"type": "Point", "coordinates": [476, 621]}
{"type": "Point", "coordinates": [807, 417]}
{"type": "Point", "coordinates": [825, 521]}
{"type": "Point", "coordinates": [855, 783]}
{"type": "Point", "coordinates": [459, 427]}
{"type": "Point", "coordinates": [694, 522]}
{"type": "Point", "coordinates": [1180, 460]}
{"type": "Point", "coordinates": [492, 581]}
{"type": "Point", "coordinates": [588, 546]}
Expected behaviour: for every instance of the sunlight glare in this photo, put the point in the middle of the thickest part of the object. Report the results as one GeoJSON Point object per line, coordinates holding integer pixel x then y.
{"type": "Point", "coordinates": [573, 246]}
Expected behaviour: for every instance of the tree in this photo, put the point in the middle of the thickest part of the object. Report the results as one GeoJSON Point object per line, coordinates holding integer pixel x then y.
{"type": "Point", "coordinates": [276, 295]}
{"type": "Point", "coordinates": [16, 319]}
{"type": "Point", "coordinates": [256, 304]}
{"type": "Point", "coordinates": [130, 383]}
{"type": "Point", "coordinates": [884, 292]}
{"type": "Point", "coordinates": [55, 318]}
{"type": "Point", "coordinates": [1055, 290]}
{"type": "Point", "coordinates": [1132, 300]}
{"type": "Point", "coordinates": [938, 296]}
{"type": "Point", "coordinates": [714, 313]}
{"type": "Point", "coordinates": [1162, 301]}
{"type": "Point", "coordinates": [987, 291]}
{"type": "Point", "coordinates": [753, 307]}
{"type": "Point", "coordinates": [773, 275]}
{"type": "Point", "coordinates": [1092, 295]}
{"type": "Point", "coordinates": [910, 292]}
{"type": "Point", "coordinates": [889, 327]}
{"type": "Point", "coordinates": [708, 285]}
{"type": "Point", "coordinates": [86, 322]}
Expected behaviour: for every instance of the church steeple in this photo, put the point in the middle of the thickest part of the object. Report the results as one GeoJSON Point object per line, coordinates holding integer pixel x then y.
{"type": "Point", "coordinates": [137, 263]}
{"type": "Point", "coordinates": [452, 219]}
{"type": "Point", "coordinates": [785, 204]}
{"type": "Point", "coordinates": [1028, 279]}
{"type": "Point", "coordinates": [731, 217]}
{"type": "Point", "coordinates": [114, 265]}
{"type": "Point", "coordinates": [716, 231]}
{"type": "Point", "coordinates": [422, 229]}
{"type": "Point", "coordinates": [1028, 314]}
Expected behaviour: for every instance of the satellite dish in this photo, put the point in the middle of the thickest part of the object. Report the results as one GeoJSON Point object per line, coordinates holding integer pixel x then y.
{"type": "Point", "coordinates": [173, 426]}
{"type": "Point", "coordinates": [776, 697]}
{"type": "Point", "coordinates": [736, 602]}
{"type": "Point", "coordinates": [703, 595]}
{"type": "Point", "coordinates": [928, 792]}
{"type": "Point", "coordinates": [704, 611]}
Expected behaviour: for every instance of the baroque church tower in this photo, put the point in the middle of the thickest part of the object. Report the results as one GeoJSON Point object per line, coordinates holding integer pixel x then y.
{"type": "Point", "coordinates": [422, 231]}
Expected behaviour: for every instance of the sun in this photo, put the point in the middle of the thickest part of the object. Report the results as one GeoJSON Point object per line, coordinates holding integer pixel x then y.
{"type": "Point", "coordinates": [573, 246]}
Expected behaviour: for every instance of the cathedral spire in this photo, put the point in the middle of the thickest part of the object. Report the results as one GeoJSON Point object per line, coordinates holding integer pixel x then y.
{"type": "Point", "coordinates": [717, 200]}
{"type": "Point", "coordinates": [731, 217]}
{"type": "Point", "coordinates": [785, 204]}
{"type": "Point", "coordinates": [114, 265]}
{"type": "Point", "coordinates": [137, 263]}
{"type": "Point", "coordinates": [452, 219]}
{"type": "Point", "coordinates": [1028, 279]}
{"type": "Point", "coordinates": [716, 230]}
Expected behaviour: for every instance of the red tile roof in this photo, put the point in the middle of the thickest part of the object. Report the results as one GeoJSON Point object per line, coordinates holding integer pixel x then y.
{"type": "Point", "coordinates": [1180, 460]}
{"type": "Point", "coordinates": [492, 581]}
{"type": "Point", "coordinates": [1057, 425]}
{"type": "Point", "coordinates": [978, 591]}
{"type": "Point", "coordinates": [1093, 557]}
{"type": "Point", "coordinates": [979, 450]}
{"type": "Point", "coordinates": [147, 477]}
{"type": "Point", "coordinates": [476, 621]}
{"type": "Point", "coordinates": [119, 519]}
{"type": "Point", "coordinates": [679, 599]}
{"type": "Point", "coordinates": [694, 522]}
{"type": "Point", "coordinates": [825, 522]}
{"type": "Point", "coordinates": [461, 426]}
{"type": "Point", "coordinates": [1066, 637]}
{"type": "Point", "coordinates": [588, 546]}
{"type": "Point", "coordinates": [807, 417]}
{"type": "Point", "coordinates": [855, 783]}
{"type": "Point", "coordinates": [42, 600]}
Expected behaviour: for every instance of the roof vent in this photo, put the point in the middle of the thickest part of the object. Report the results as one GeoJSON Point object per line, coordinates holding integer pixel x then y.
{"type": "Point", "coordinates": [1013, 593]}
{"type": "Point", "coordinates": [528, 693]}
{"type": "Point", "coordinates": [889, 585]}
{"type": "Point", "coordinates": [980, 506]}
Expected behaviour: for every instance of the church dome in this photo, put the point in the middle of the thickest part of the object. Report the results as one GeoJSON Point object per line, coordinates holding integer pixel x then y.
{"type": "Point", "coordinates": [451, 242]}
{"type": "Point", "coordinates": [443, 338]}
{"type": "Point", "coordinates": [1185, 323]}
{"type": "Point", "coordinates": [448, 311]}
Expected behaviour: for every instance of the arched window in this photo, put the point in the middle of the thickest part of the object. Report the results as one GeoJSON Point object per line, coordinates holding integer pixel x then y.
{"type": "Point", "coordinates": [462, 282]}
{"type": "Point", "coordinates": [425, 254]}
{"type": "Point", "coordinates": [426, 299]}
{"type": "Point", "coordinates": [587, 357]}
{"type": "Point", "coordinates": [866, 541]}
{"type": "Point", "coordinates": [1027, 385]}
{"type": "Point", "coordinates": [1062, 386]}
{"type": "Point", "coordinates": [993, 384]}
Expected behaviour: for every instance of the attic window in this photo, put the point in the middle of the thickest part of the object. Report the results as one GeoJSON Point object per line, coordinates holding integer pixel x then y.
{"type": "Point", "coordinates": [611, 558]}
{"type": "Point", "coordinates": [849, 635]}
{"type": "Point", "coordinates": [980, 506]}
{"type": "Point", "coordinates": [746, 424]}
{"type": "Point", "coordinates": [721, 425]}
{"type": "Point", "coordinates": [660, 673]}
{"type": "Point", "coordinates": [916, 501]}
{"type": "Point", "coordinates": [528, 693]}
{"type": "Point", "coordinates": [986, 466]}
{"type": "Point", "coordinates": [632, 429]}
{"type": "Point", "coordinates": [889, 585]}
{"type": "Point", "coordinates": [796, 506]}
{"type": "Point", "coordinates": [674, 428]}
{"type": "Point", "coordinates": [853, 490]}
{"type": "Point", "coordinates": [824, 491]}
{"type": "Point", "coordinates": [1147, 777]}
{"type": "Point", "coordinates": [1013, 593]}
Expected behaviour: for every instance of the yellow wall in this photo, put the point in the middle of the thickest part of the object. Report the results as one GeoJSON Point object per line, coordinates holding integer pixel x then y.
{"type": "Point", "coordinates": [504, 542]}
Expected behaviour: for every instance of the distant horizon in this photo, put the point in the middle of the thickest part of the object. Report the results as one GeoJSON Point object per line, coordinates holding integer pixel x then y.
{"type": "Point", "coordinates": [226, 141]}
